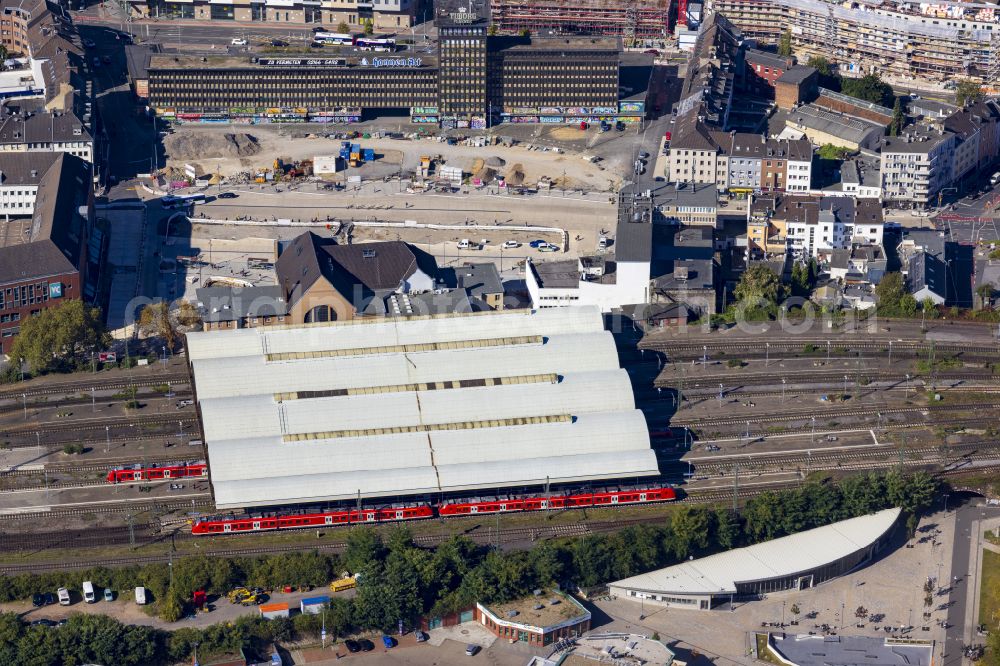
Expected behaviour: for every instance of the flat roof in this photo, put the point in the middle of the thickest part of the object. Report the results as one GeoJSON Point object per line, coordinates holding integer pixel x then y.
{"type": "Point", "coordinates": [555, 608]}
{"type": "Point", "coordinates": [315, 59]}
{"type": "Point", "coordinates": [384, 408]}
{"type": "Point", "coordinates": [720, 574]}
{"type": "Point", "coordinates": [806, 650]}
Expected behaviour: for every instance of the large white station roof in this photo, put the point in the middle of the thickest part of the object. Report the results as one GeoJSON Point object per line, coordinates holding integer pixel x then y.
{"type": "Point", "coordinates": [415, 406]}
{"type": "Point", "coordinates": [719, 574]}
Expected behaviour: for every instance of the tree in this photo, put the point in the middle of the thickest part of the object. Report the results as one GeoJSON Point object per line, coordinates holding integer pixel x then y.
{"type": "Point", "coordinates": [828, 151]}
{"type": "Point", "coordinates": [759, 286]}
{"type": "Point", "coordinates": [3, 53]}
{"type": "Point", "coordinates": [187, 314]}
{"type": "Point", "coordinates": [343, 28]}
{"type": "Point", "coordinates": [898, 119]}
{"type": "Point", "coordinates": [801, 282]}
{"type": "Point", "coordinates": [983, 291]}
{"type": "Point", "coordinates": [861, 612]}
{"type": "Point", "coordinates": [59, 334]}
{"type": "Point", "coordinates": [870, 88]}
{"type": "Point", "coordinates": [155, 320]}
{"type": "Point", "coordinates": [821, 65]}
{"type": "Point", "coordinates": [968, 92]}
{"type": "Point", "coordinates": [795, 609]}
{"type": "Point", "coordinates": [727, 529]}
{"type": "Point", "coordinates": [785, 44]}
{"type": "Point", "coordinates": [524, 33]}
{"type": "Point", "coordinates": [492, 30]}
{"type": "Point", "coordinates": [889, 291]}
{"type": "Point", "coordinates": [369, 27]}
{"type": "Point", "coordinates": [689, 528]}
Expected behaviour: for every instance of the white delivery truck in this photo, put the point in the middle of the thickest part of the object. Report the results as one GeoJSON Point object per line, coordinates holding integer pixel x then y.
{"type": "Point", "coordinates": [88, 592]}
{"type": "Point", "coordinates": [63, 596]}
{"type": "Point", "coordinates": [140, 596]}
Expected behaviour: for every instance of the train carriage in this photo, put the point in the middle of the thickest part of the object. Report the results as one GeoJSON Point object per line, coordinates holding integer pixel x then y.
{"type": "Point", "coordinates": [158, 472]}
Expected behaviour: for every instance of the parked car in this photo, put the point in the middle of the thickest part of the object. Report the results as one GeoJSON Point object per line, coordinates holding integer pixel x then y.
{"type": "Point", "coordinates": [471, 649]}
{"type": "Point", "coordinates": [64, 598]}
{"type": "Point", "coordinates": [421, 636]}
{"type": "Point", "coordinates": [510, 244]}
{"type": "Point", "coordinates": [278, 42]}
{"type": "Point", "coordinates": [548, 247]}
{"type": "Point", "coordinates": [538, 243]}
{"type": "Point", "coordinates": [319, 28]}
{"type": "Point", "coordinates": [651, 52]}
{"type": "Point", "coordinates": [366, 645]}
{"type": "Point", "coordinates": [37, 600]}
{"type": "Point", "coordinates": [238, 41]}
{"type": "Point", "coordinates": [50, 599]}
{"type": "Point", "coordinates": [643, 155]}
{"type": "Point", "coordinates": [388, 641]}
{"type": "Point", "coordinates": [228, 195]}
{"type": "Point", "coordinates": [43, 623]}
{"type": "Point", "coordinates": [109, 594]}
{"type": "Point", "coordinates": [352, 646]}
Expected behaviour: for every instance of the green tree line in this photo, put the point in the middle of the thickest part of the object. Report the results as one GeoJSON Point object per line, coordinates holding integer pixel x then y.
{"type": "Point", "coordinates": [400, 581]}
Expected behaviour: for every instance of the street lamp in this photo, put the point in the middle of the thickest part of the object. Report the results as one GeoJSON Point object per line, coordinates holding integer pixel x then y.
{"type": "Point", "coordinates": [907, 384]}
{"type": "Point", "coordinates": [704, 356]}
{"type": "Point", "coordinates": [783, 382]}
{"type": "Point", "coordinates": [845, 385]}
{"type": "Point", "coordinates": [827, 351]}
{"type": "Point", "coordinates": [890, 353]}
{"type": "Point", "coordinates": [812, 436]}
{"type": "Point", "coordinates": [720, 396]}
{"type": "Point", "coordinates": [767, 353]}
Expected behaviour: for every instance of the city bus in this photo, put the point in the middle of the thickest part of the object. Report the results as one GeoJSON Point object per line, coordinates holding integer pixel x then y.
{"type": "Point", "coordinates": [368, 44]}
{"type": "Point", "coordinates": [336, 38]}
{"type": "Point", "coordinates": [181, 200]}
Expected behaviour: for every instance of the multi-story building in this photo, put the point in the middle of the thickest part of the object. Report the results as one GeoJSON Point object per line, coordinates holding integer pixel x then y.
{"type": "Point", "coordinates": [705, 100]}
{"type": "Point", "coordinates": [936, 41]}
{"type": "Point", "coordinates": [384, 15]}
{"type": "Point", "coordinates": [762, 69]}
{"type": "Point", "coordinates": [810, 226]}
{"type": "Point", "coordinates": [473, 80]}
{"type": "Point", "coordinates": [916, 165]}
{"type": "Point", "coordinates": [977, 133]}
{"type": "Point", "coordinates": [20, 176]}
{"type": "Point", "coordinates": [646, 20]}
{"type": "Point", "coordinates": [44, 253]}
{"type": "Point", "coordinates": [694, 205]}
{"type": "Point", "coordinates": [27, 127]}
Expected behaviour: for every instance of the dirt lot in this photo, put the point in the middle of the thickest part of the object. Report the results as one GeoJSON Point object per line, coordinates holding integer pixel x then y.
{"type": "Point", "coordinates": [392, 155]}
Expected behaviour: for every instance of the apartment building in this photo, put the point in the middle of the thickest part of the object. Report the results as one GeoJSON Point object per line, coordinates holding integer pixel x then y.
{"type": "Point", "coordinates": [936, 41]}
{"type": "Point", "coordinates": [705, 100]}
{"type": "Point", "coordinates": [812, 226]}
{"type": "Point", "coordinates": [977, 133]}
{"type": "Point", "coordinates": [689, 204]}
{"type": "Point", "coordinates": [632, 21]}
{"type": "Point", "coordinates": [27, 126]}
{"type": "Point", "coordinates": [916, 165]}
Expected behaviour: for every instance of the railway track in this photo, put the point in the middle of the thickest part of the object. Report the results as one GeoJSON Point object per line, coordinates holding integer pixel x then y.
{"type": "Point", "coordinates": [13, 407]}
{"type": "Point", "coordinates": [12, 392]}
{"type": "Point", "coordinates": [817, 346]}
{"type": "Point", "coordinates": [738, 378]}
{"type": "Point", "coordinates": [85, 425]}
{"type": "Point", "coordinates": [807, 414]}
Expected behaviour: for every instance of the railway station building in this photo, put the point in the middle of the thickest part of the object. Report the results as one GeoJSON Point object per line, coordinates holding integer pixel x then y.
{"type": "Point", "coordinates": [794, 562]}
{"type": "Point", "coordinates": [407, 408]}
{"type": "Point", "coordinates": [538, 620]}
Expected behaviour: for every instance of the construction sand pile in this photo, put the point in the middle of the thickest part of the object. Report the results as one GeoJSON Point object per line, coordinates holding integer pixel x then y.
{"type": "Point", "coordinates": [205, 145]}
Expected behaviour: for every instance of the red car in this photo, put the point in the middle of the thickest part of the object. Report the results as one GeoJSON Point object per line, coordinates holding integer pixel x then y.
{"type": "Point", "coordinates": [667, 137]}
{"type": "Point", "coordinates": [652, 52]}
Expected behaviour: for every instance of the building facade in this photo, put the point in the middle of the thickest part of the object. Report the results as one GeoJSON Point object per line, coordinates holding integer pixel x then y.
{"type": "Point", "coordinates": [474, 80]}
{"type": "Point", "coordinates": [537, 621]}
{"type": "Point", "coordinates": [384, 15]}
{"type": "Point", "coordinates": [46, 256]}
{"type": "Point", "coordinates": [648, 20]}
{"type": "Point", "coordinates": [939, 41]}
{"type": "Point", "coordinates": [916, 165]}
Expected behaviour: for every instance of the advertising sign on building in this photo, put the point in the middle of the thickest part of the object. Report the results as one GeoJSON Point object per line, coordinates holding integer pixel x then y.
{"type": "Point", "coordinates": [55, 290]}
{"type": "Point", "coordinates": [390, 62]}
{"type": "Point", "coordinates": [302, 62]}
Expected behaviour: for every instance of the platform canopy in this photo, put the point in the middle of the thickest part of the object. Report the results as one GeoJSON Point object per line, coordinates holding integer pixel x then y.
{"type": "Point", "coordinates": [402, 407]}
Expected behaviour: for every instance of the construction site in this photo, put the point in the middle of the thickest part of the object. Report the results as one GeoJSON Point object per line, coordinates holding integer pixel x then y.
{"type": "Point", "coordinates": [637, 22]}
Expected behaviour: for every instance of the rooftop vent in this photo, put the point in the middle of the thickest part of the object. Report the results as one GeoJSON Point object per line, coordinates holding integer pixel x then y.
{"type": "Point", "coordinates": [681, 272]}
{"type": "Point", "coordinates": [368, 254]}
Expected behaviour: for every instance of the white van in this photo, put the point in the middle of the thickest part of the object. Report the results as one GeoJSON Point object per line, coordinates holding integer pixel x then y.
{"type": "Point", "coordinates": [140, 596]}
{"type": "Point", "coordinates": [995, 178]}
{"type": "Point", "coordinates": [464, 244]}
{"type": "Point", "coordinates": [88, 592]}
{"type": "Point", "coordinates": [63, 596]}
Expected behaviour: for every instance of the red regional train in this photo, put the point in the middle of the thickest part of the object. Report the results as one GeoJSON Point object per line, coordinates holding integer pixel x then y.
{"type": "Point", "coordinates": [232, 524]}
{"type": "Point", "coordinates": [158, 472]}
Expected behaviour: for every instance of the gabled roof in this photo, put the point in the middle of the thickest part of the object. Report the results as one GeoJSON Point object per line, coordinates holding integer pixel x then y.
{"type": "Point", "coordinates": [53, 240]}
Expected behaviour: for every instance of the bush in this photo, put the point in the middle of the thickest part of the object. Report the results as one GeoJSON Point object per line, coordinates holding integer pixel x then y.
{"type": "Point", "coordinates": [73, 449]}
{"type": "Point", "coordinates": [735, 363]}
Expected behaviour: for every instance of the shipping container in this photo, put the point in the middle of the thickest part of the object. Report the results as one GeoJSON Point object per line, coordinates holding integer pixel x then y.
{"type": "Point", "coordinates": [271, 611]}
{"type": "Point", "coordinates": [314, 605]}
{"type": "Point", "coordinates": [369, 154]}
